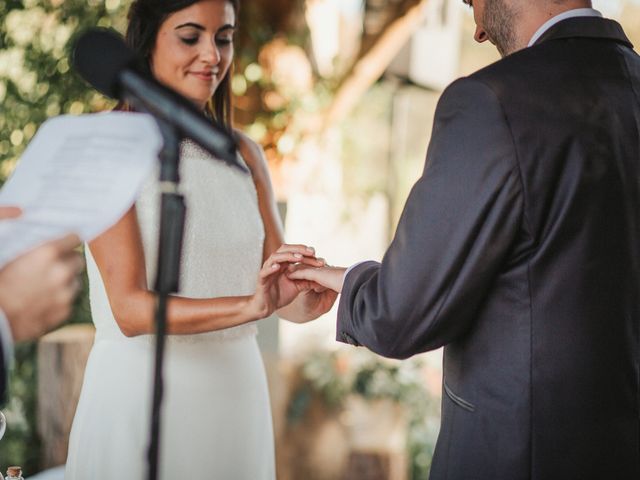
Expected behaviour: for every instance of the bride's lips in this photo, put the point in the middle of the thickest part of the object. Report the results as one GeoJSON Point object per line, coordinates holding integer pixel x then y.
{"type": "Point", "coordinates": [205, 75]}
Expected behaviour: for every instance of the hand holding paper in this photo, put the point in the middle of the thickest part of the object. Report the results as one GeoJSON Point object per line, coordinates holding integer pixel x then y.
{"type": "Point", "coordinates": [37, 289]}
{"type": "Point", "coordinates": [78, 175]}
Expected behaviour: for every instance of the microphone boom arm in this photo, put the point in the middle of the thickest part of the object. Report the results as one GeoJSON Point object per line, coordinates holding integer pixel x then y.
{"type": "Point", "coordinates": [149, 97]}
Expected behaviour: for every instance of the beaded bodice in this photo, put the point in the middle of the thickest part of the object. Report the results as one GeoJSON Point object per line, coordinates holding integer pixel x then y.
{"type": "Point", "coordinates": [223, 240]}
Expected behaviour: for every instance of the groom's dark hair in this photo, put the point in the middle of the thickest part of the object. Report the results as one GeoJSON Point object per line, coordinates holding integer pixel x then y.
{"type": "Point", "coordinates": [146, 17]}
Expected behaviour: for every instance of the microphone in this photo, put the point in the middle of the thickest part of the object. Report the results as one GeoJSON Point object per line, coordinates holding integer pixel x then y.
{"type": "Point", "coordinates": [103, 59]}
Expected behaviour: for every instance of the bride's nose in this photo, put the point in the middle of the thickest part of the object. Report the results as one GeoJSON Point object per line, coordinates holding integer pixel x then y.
{"type": "Point", "coordinates": [210, 53]}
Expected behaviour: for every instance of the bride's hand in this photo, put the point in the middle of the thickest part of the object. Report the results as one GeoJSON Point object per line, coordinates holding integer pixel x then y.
{"type": "Point", "coordinates": [274, 290]}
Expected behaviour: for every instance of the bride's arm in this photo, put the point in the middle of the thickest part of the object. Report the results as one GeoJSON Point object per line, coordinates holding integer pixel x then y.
{"type": "Point", "coordinates": [309, 304]}
{"type": "Point", "coordinates": [119, 256]}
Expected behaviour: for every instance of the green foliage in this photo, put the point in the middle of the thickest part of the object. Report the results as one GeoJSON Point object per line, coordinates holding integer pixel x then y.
{"type": "Point", "coordinates": [36, 81]}
{"type": "Point", "coordinates": [20, 444]}
{"type": "Point", "coordinates": [334, 376]}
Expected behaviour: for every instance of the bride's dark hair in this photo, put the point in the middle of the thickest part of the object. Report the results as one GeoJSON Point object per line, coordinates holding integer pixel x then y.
{"type": "Point", "coordinates": [145, 18]}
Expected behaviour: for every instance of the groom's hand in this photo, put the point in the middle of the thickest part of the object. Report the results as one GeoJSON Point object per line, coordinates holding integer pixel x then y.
{"type": "Point", "coordinates": [302, 255]}
{"type": "Point", "coordinates": [274, 289]}
{"type": "Point", "coordinates": [322, 285]}
{"type": "Point", "coordinates": [324, 276]}
{"type": "Point", "coordinates": [317, 300]}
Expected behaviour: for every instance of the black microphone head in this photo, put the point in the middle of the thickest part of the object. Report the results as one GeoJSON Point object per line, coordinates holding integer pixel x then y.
{"type": "Point", "coordinates": [99, 56]}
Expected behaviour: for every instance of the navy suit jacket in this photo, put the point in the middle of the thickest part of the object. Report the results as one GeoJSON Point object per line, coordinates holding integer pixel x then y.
{"type": "Point", "coordinates": [519, 251]}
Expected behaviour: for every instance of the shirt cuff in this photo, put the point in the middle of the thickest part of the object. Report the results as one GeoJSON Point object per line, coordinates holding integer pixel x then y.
{"type": "Point", "coordinates": [351, 268]}
{"type": "Point", "coordinates": [6, 338]}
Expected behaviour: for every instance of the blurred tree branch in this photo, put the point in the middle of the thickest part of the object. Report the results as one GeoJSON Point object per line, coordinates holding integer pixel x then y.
{"type": "Point", "coordinates": [375, 59]}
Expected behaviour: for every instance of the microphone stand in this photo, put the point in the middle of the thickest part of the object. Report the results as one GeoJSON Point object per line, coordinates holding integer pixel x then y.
{"type": "Point", "coordinates": [172, 217]}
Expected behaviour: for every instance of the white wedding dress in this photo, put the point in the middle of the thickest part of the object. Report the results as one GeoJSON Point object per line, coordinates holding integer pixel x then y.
{"type": "Point", "coordinates": [216, 421]}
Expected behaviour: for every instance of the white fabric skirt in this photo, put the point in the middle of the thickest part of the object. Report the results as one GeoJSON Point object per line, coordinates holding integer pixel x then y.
{"type": "Point", "coordinates": [216, 417]}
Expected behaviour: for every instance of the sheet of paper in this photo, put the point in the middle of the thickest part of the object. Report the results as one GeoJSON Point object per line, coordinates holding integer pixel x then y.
{"type": "Point", "coordinates": [79, 174]}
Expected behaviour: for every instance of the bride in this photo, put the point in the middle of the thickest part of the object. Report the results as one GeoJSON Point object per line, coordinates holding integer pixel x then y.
{"type": "Point", "coordinates": [216, 414]}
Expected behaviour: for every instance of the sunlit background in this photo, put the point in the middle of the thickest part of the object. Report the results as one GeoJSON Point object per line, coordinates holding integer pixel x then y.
{"type": "Point", "coordinates": [341, 95]}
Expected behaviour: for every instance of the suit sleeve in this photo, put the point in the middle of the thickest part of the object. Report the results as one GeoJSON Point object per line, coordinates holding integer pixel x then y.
{"type": "Point", "coordinates": [459, 222]}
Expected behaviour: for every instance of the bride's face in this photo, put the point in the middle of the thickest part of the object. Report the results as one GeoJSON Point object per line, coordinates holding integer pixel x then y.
{"type": "Point", "coordinates": [194, 49]}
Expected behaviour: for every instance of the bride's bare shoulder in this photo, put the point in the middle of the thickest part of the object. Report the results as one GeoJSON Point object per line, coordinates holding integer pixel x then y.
{"type": "Point", "coordinates": [253, 155]}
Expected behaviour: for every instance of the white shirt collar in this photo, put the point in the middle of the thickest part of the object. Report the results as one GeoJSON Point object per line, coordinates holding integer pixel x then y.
{"type": "Point", "coordinates": [576, 12]}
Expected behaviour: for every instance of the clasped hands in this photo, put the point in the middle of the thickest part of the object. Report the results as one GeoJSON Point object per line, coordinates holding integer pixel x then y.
{"type": "Point", "coordinates": [295, 275]}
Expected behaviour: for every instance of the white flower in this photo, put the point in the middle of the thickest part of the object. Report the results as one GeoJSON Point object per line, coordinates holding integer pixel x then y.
{"type": "Point", "coordinates": [22, 25]}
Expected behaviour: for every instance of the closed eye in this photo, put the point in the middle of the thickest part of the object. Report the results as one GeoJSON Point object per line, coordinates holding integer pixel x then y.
{"type": "Point", "coordinates": [189, 40]}
{"type": "Point", "coordinates": [224, 41]}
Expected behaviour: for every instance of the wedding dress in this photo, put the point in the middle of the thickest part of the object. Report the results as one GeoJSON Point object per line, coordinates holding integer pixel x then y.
{"type": "Point", "coordinates": [216, 421]}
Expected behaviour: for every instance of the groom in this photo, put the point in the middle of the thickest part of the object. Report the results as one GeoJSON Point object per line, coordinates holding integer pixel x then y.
{"type": "Point", "coordinates": [519, 252]}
